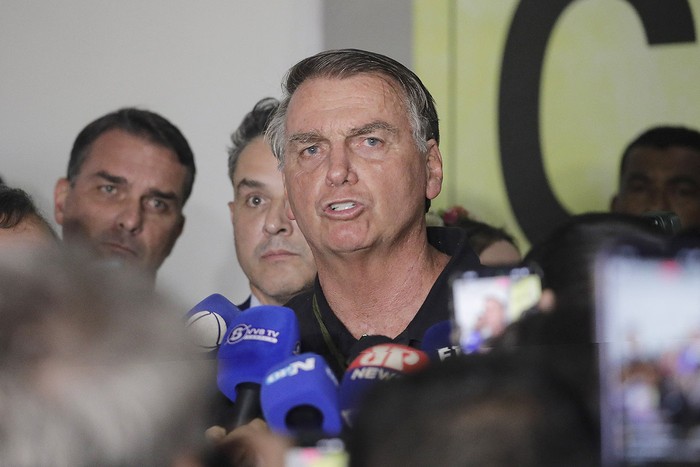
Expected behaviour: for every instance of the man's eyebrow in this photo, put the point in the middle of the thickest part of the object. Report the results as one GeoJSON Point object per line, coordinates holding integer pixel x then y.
{"type": "Point", "coordinates": [636, 176]}
{"type": "Point", "coordinates": [155, 193]}
{"type": "Point", "coordinates": [372, 127]}
{"type": "Point", "coordinates": [682, 179]}
{"type": "Point", "coordinates": [117, 180]}
{"type": "Point", "coordinates": [249, 183]}
{"type": "Point", "coordinates": [305, 137]}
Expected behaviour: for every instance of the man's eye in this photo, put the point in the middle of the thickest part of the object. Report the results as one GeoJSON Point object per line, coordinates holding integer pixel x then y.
{"type": "Point", "coordinates": [108, 189]}
{"type": "Point", "coordinates": [311, 151]}
{"type": "Point", "coordinates": [158, 204]}
{"type": "Point", "coordinates": [254, 201]}
{"type": "Point", "coordinates": [686, 190]}
{"type": "Point", "coordinates": [371, 141]}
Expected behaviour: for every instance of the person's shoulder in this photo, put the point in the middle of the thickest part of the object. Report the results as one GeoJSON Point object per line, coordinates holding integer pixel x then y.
{"type": "Point", "coordinates": [301, 301]}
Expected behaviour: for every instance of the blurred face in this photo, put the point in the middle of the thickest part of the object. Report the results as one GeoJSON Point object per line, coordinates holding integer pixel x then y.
{"type": "Point", "coordinates": [270, 247]}
{"type": "Point", "coordinates": [126, 202]}
{"type": "Point", "coordinates": [492, 321]}
{"type": "Point", "coordinates": [353, 175]}
{"type": "Point", "coordinates": [661, 180]}
{"type": "Point", "coordinates": [499, 253]}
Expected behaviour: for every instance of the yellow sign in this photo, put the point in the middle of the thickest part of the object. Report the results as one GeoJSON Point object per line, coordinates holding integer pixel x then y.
{"type": "Point", "coordinates": [538, 98]}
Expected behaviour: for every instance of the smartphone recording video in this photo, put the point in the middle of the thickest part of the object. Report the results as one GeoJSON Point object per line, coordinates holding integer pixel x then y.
{"type": "Point", "coordinates": [485, 302]}
{"type": "Point", "coordinates": [648, 329]}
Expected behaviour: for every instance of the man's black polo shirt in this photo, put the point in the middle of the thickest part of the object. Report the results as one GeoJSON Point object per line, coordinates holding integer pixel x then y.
{"type": "Point", "coordinates": [451, 241]}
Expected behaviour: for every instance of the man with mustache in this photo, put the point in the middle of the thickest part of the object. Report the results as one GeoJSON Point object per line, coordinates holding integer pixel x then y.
{"type": "Point", "coordinates": [129, 175]}
{"type": "Point", "coordinates": [270, 248]}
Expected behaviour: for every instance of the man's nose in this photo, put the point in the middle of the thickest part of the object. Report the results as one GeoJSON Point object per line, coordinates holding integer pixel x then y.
{"type": "Point", "coordinates": [130, 216]}
{"type": "Point", "coordinates": [340, 168]}
{"type": "Point", "coordinates": [276, 220]}
{"type": "Point", "coordinates": [659, 201]}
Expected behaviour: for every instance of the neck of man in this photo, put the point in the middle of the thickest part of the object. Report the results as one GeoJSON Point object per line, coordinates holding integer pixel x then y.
{"type": "Point", "coordinates": [380, 290]}
{"type": "Point", "coordinates": [264, 299]}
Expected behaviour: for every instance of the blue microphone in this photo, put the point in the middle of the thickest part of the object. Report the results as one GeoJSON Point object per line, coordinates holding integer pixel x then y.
{"type": "Point", "coordinates": [299, 397]}
{"type": "Point", "coordinates": [437, 342]}
{"type": "Point", "coordinates": [208, 321]}
{"type": "Point", "coordinates": [259, 338]}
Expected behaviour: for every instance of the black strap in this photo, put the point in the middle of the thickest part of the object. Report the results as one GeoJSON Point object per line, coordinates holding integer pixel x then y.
{"type": "Point", "coordinates": [327, 335]}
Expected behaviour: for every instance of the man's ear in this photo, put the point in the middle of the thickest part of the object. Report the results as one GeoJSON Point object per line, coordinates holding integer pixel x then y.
{"type": "Point", "coordinates": [181, 226]}
{"type": "Point", "coordinates": [434, 173]}
{"type": "Point", "coordinates": [60, 192]}
{"type": "Point", "coordinates": [231, 209]}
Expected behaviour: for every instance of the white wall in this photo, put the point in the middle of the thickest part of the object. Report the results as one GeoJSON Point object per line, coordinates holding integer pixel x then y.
{"type": "Point", "coordinates": [201, 64]}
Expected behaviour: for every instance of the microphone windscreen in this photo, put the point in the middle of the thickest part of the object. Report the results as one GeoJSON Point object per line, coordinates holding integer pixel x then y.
{"type": "Point", "coordinates": [259, 338]}
{"type": "Point", "coordinates": [437, 342]}
{"type": "Point", "coordinates": [300, 395]}
{"type": "Point", "coordinates": [208, 321]}
{"type": "Point", "coordinates": [379, 363]}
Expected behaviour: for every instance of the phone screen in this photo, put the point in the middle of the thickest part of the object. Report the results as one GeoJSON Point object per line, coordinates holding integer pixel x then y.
{"type": "Point", "coordinates": [648, 329]}
{"type": "Point", "coordinates": [485, 302]}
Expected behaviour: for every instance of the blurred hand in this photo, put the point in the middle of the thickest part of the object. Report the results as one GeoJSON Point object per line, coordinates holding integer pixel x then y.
{"type": "Point", "coordinates": [251, 445]}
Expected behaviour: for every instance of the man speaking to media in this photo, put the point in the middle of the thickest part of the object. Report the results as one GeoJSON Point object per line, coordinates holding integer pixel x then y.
{"type": "Point", "coordinates": [357, 138]}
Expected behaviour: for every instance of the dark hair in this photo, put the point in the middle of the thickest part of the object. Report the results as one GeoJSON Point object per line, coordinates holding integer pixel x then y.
{"type": "Point", "coordinates": [345, 63]}
{"type": "Point", "coordinates": [16, 205]}
{"type": "Point", "coordinates": [475, 410]}
{"type": "Point", "coordinates": [663, 137]}
{"type": "Point", "coordinates": [137, 122]}
{"type": "Point", "coordinates": [254, 124]}
{"type": "Point", "coordinates": [481, 235]}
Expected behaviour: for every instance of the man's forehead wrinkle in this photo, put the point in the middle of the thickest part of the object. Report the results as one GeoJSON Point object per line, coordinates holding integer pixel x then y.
{"type": "Point", "coordinates": [371, 127]}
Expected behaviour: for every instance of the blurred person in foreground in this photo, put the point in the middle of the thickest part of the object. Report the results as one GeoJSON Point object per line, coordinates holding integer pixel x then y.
{"type": "Point", "coordinates": [475, 410]}
{"type": "Point", "coordinates": [269, 246]}
{"type": "Point", "coordinates": [93, 368]}
{"type": "Point", "coordinates": [564, 331]}
{"type": "Point", "coordinates": [129, 175]}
